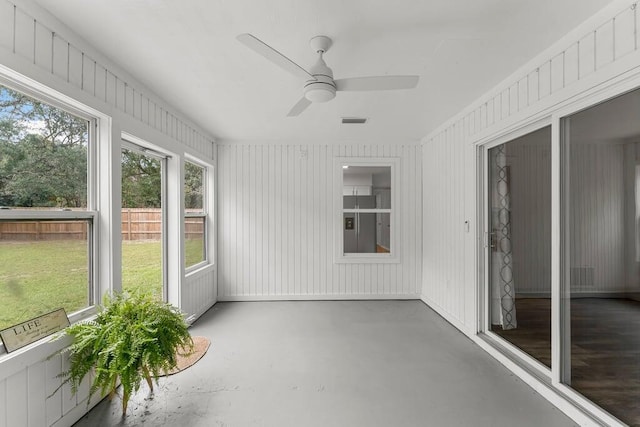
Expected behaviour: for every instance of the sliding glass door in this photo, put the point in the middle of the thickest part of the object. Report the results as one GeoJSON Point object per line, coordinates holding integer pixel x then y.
{"type": "Point", "coordinates": [561, 267]}
{"type": "Point", "coordinates": [519, 242]}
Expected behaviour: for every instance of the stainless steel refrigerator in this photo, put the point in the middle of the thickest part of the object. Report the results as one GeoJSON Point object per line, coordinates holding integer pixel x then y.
{"type": "Point", "coordinates": [359, 228]}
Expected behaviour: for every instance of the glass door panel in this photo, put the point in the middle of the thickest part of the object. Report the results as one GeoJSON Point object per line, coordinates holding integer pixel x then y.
{"type": "Point", "coordinates": [142, 222]}
{"type": "Point", "coordinates": [519, 240]}
{"type": "Point", "coordinates": [602, 300]}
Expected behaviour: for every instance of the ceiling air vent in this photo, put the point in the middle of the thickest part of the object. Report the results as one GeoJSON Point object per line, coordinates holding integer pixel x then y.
{"type": "Point", "coordinates": [354, 120]}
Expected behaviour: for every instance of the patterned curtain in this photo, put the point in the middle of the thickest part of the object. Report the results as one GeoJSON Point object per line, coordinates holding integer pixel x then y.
{"type": "Point", "coordinates": [502, 264]}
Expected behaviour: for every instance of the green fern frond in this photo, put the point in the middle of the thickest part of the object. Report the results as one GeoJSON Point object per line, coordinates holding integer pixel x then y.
{"type": "Point", "coordinates": [132, 336]}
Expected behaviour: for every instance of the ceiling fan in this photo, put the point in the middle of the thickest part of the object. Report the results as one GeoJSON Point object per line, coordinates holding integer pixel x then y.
{"type": "Point", "coordinates": [319, 84]}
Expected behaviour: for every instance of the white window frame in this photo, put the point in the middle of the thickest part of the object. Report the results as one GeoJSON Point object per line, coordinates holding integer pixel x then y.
{"type": "Point", "coordinates": [98, 281]}
{"type": "Point", "coordinates": [366, 258]}
{"type": "Point", "coordinates": [204, 214]}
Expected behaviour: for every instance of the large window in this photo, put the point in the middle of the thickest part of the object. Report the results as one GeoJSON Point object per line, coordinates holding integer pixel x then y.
{"type": "Point", "coordinates": [47, 210]}
{"type": "Point", "coordinates": [367, 210]}
{"type": "Point", "coordinates": [195, 221]}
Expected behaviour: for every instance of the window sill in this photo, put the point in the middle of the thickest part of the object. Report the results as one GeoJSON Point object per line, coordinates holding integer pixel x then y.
{"type": "Point", "coordinates": [198, 269]}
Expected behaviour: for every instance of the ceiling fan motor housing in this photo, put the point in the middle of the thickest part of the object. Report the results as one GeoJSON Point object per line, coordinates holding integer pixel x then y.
{"type": "Point", "coordinates": [323, 88]}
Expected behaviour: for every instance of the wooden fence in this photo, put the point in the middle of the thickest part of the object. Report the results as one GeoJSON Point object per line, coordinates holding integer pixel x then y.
{"type": "Point", "coordinates": [137, 224]}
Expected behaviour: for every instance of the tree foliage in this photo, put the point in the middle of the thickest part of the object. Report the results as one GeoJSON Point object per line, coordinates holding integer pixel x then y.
{"type": "Point", "coordinates": [43, 159]}
{"type": "Point", "coordinates": [43, 154]}
{"type": "Point", "coordinates": [193, 186]}
{"type": "Point", "coordinates": [141, 181]}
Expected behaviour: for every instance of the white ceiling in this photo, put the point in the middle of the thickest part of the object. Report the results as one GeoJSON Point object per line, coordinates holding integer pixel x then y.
{"type": "Point", "coordinates": [186, 52]}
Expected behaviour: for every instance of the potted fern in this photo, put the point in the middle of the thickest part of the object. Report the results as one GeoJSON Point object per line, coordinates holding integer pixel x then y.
{"type": "Point", "coordinates": [133, 337]}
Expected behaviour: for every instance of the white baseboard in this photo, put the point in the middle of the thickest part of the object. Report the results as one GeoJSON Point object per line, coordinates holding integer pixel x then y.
{"type": "Point", "coordinates": [325, 297]}
{"type": "Point", "coordinates": [455, 322]}
{"type": "Point", "coordinates": [78, 411]}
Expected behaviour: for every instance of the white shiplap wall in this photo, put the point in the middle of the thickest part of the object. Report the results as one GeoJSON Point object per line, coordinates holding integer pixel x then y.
{"type": "Point", "coordinates": [530, 188]}
{"type": "Point", "coordinates": [447, 236]}
{"type": "Point", "coordinates": [603, 48]}
{"type": "Point", "coordinates": [276, 226]}
{"type": "Point", "coordinates": [38, 46]}
{"type": "Point", "coordinates": [199, 292]}
{"type": "Point", "coordinates": [597, 216]}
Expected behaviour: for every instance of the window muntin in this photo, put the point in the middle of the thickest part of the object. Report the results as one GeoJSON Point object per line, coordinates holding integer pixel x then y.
{"type": "Point", "coordinates": [47, 211]}
{"type": "Point", "coordinates": [367, 210]}
{"type": "Point", "coordinates": [195, 223]}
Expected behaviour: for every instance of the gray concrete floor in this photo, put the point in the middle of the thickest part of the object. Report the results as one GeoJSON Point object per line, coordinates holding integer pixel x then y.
{"type": "Point", "coordinates": [334, 363]}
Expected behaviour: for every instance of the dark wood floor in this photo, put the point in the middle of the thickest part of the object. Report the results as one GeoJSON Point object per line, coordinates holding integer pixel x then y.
{"type": "Point", "coordinates": [605, 348]}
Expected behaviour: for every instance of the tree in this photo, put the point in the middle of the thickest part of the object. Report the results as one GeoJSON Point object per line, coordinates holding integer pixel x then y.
{"type": "Point", "coordinates": [141, 181]}
{"type": "Point", "coordinates": [193, 186]}
{"type": "Point", "coordinates": [43, 154]}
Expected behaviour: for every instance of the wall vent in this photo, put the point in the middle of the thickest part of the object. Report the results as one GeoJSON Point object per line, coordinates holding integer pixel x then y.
{"type": "Point", "coordinates": [582, 278]}
{"type": "Point", "coordinates": [354, 120]}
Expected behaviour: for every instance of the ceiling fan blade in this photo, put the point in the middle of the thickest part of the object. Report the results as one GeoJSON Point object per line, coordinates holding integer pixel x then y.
{"type": "Point", "coordinates": [377, 83]}
{"type": "Point", "coordinates": [299, 107]}
{"type": "Point", "coordinates": [273, 55]}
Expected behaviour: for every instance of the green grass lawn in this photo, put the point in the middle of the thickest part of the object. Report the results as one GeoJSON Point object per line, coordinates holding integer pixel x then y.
{"type": "Point", "coordinates": [38, 277]}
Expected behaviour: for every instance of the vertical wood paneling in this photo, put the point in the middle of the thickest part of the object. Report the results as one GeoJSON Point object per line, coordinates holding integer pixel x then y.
{"type": "Point", "coordinates": [587, 55]}
{"type": "Point", "coordinates": [60, 58]}
{"type": "Point", "coordinates": [24, 35]}
{"type": "Point", "coordinates": [17, 398]}
{"type": "Point", "coordinates": [597, 214]}
{"type": "Point", "coordinates": [624, 24]}
{"type": "Point", "coordinates": [53, 404]}
{"type": "Point", "coordinates": [605, 44]}
{"type": "Point", "coordinates": [75, 66]}
{"type": "Point", "coordinates": [3, 403]}
{"type": "Point", "coordinates": [199, 292]}
{"type": "Point", "coordinates": [36, 410]}
{"type": "Point", "coordinates": [557, 72]}
{"type": "Point", "coordinates": [545, 80]}
{"type": "Point", "coordinates": [68, 398]}
{"type": "Point", "coordinates": [43, 45]}
{"type": "Point", "coordinates": [6, 24]}
{"type": "Point", "coordinates": [27, 397]}
{"type": "Point", "coordinates": [291, 254]}
{"type": "Point", "coordinates": [571, 63]}
{"type": "Point", "coordinates": [530, 189]}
